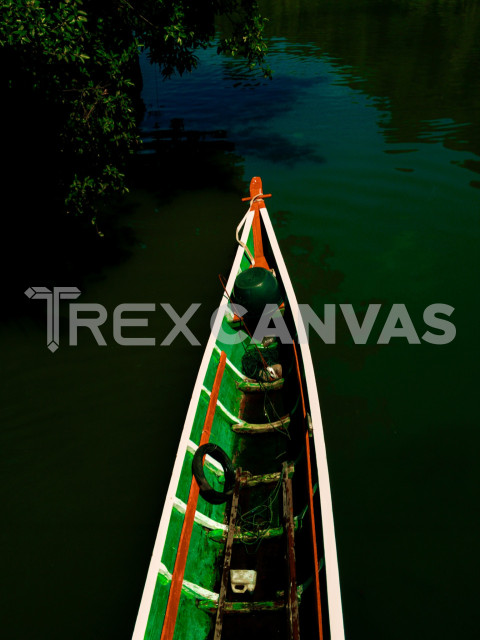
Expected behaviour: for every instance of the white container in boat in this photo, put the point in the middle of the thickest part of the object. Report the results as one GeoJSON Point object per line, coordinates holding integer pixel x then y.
{"type": "Point", "coordinates": [243, 580]}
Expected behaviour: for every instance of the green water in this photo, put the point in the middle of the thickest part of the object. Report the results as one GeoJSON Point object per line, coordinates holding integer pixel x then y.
{"type": "Point", "coordinates": [369, 140]}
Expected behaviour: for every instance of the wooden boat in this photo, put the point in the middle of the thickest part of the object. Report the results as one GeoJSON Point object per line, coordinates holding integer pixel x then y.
{"type": "Point", "coordinates": [246, 544]}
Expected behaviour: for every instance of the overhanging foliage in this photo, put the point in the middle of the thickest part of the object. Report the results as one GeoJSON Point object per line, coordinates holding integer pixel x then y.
{"type": "Point", "coordinates": [78, 61]}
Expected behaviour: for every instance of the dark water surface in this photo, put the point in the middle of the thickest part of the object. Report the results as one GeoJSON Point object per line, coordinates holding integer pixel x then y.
{"type": "Point", "coordinates": [369, 139]}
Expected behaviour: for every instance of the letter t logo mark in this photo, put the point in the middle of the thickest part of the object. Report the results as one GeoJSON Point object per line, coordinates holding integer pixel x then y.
{"type": "Point", "coordinates": [53, 302]}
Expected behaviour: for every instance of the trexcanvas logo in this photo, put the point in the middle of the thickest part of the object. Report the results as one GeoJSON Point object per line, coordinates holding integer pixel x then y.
{"type": "Point", "coordinates": [53, 303]}
{"type": "Point", "coordinates": [398, 323]}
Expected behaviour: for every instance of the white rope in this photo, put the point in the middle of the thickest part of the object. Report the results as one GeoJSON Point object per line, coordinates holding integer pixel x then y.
{"type": "Point", "coordinates": [242, 244]}
{"type": "Point", "coordinates": [242, 222]}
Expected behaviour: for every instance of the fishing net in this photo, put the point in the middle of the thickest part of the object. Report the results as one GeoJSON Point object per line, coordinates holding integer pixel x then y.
{"type": "Point", "coordinates": [252, 363]}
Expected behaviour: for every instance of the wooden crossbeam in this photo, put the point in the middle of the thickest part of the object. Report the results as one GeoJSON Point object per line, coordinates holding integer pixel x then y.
{"type": "Point", "coordinates": [243, 607]}
{"type": "Point", "coordinates": [267, 427]}
{"type": "Point", "coordinates": [251, 386]}
{"type": "Point", "coordinates": [220, 535]}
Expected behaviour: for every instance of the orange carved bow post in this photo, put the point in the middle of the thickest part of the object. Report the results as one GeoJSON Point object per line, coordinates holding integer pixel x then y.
{"type": "Point", "coordinates": [256, 200]}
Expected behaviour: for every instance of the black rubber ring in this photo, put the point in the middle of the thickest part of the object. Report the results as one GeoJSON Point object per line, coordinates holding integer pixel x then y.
{"type": "Point", "coordinates": [206, 491]}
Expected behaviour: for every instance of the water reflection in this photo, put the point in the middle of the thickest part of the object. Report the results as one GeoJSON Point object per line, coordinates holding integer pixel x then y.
{"type": "Point", "coordinates": [422, 58]}
{"type": "Point", "coordinates": [277, 147]}
{"type": "Point", "coordinates": [162, 141]}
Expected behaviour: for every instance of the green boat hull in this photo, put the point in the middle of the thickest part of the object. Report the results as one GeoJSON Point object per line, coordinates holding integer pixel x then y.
{"type": "Point", "coordinates": [261, 425]}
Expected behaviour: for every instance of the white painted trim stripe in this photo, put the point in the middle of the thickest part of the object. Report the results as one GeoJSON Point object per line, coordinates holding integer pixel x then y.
{"type": "Point", "coordinates": [190, 587]}
{"type": "Point", "coordinates": [231, 365]}
{"type": "Point", "coordinates": [200, 518]}
{"type": "Point", "coordinates": [330, 548]}
{"type": "Point", "coordinates": [233, 419]}
{"type": "Point", "coordinates": [156, 559]}
{"type": "Point", "coordinates": [210, 462]}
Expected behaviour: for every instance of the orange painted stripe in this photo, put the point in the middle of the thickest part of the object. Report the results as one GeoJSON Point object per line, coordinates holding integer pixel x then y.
{"type": "Point", "coordinates": [207, 425]}
{"type": "Point", "coordinates": [184, 542]}
{"type": "Point", "coordinates": [255, 190]}
{"type": "Point", "coordinates": [318, 603]}
{"type": "Point", "coordinates": [258, 254]}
